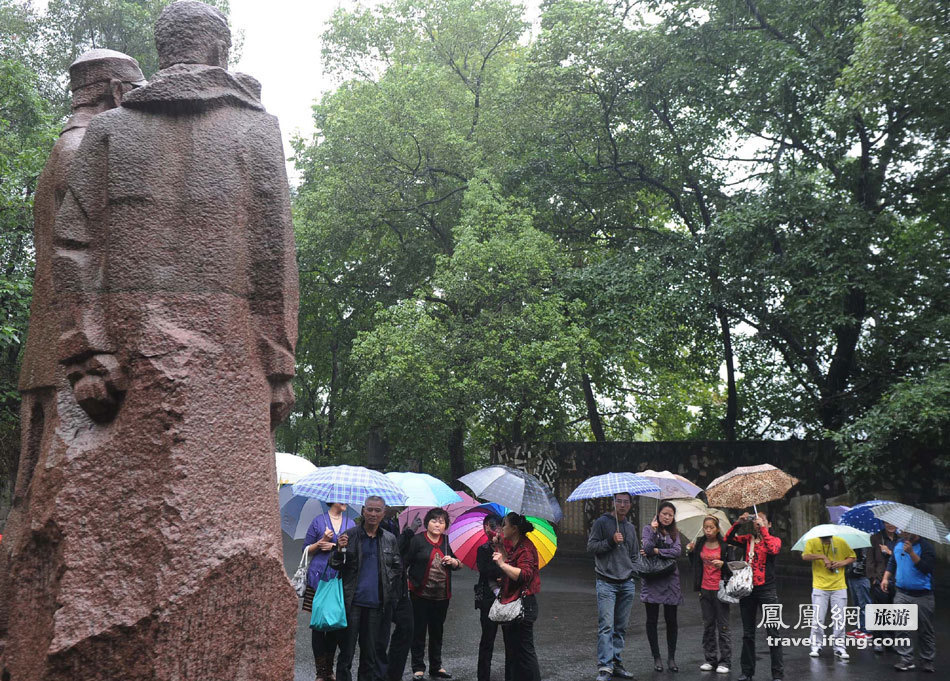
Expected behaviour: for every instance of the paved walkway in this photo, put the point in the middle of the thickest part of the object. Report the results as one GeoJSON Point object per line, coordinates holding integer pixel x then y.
{"type": "Point", "coordinates": [566, 636]}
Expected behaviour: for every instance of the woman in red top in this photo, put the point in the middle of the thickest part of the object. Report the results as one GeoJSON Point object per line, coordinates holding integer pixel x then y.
{"type": "Point", "coordinates": [709, 556]}
{"type": "Point", "coordinates": [518, 559]}
{"type": "Point", "coordinates": [760, 548]}
{"type": "Point", "coordinates": [430, 562]}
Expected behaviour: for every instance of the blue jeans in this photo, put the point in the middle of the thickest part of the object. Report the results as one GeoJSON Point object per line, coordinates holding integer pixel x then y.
{"type": "Point", "coordinates": [860, 590]}
{"type": "Point", "coordinates": [614, 602]}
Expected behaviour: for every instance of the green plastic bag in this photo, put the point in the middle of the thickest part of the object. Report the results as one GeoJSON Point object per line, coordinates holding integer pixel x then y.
{"type": "Point", "coordinates": [328, 610]}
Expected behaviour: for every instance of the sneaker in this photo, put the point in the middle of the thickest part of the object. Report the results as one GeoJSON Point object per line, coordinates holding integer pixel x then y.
{"type": "Point", "coordinates": [604, 675]}
{"type": "Point", "coordinates": [927, 667]}
{"type": "Point", "coordinates": [813, 653]}
{"type": "Point", "coordinates": [621, 673]}
{"type": "Point", "coordinates": [842, 654]}
{"type": "Point", "coordinates": [722, 669]}
{"type": "Point", "coordinates": [705, 667]}
{"type": "Point", "coordinates": [854, 632]}
{"type": "Point", "coordinates": [878, 648]}
{"type": "Point", "coordinates": [905, 666]}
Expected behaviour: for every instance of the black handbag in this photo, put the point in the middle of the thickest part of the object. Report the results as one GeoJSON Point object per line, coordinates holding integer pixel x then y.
{"type": "Point", "coordinates": [654, 567]}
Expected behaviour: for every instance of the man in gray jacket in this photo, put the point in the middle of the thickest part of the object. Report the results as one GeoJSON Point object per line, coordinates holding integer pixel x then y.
{"type": "Point", "coordinates": [613, 541]}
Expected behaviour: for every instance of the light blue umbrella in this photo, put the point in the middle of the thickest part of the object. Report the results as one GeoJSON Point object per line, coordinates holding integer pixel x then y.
{"type": "Point", "coordinates": [609, 484]}
{"type": "Point", "coordinates": [297, 512]}
{"type": "Point", "coordinates": [862, 517]}
{"type": "Point", "coordinates": [853, 537]}
{"type": "Point", "coordinates": [424, 490]}
{"type": "Point", "coordinates": [349, 485]}
{"type": "Point", "coordinates": [521, 492]}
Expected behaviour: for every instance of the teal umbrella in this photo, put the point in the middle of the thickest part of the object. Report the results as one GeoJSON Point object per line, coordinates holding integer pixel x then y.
{"type": "Point", "coordinates": [853, 537]}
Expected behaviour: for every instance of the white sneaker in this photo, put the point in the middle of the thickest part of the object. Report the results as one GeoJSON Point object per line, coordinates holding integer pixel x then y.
{"type": "Point", "coordinates": [705, 667]}
{"type": "Point", "coordinates": [722, 669]}
{"type": "Point", "coordinates": [843, 654]}
{"type": "Point", "coordinates": [813, 653]}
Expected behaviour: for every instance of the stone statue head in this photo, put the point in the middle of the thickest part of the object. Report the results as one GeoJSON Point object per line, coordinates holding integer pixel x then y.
{"type": "Point", "coordinates": [191, 32]}
{"type": "Point", "coordinates": [103, 75]}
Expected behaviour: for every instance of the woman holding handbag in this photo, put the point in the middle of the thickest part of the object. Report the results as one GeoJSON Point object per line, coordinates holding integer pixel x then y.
{"type": "Point", "coordinates": [321, 538]}
{"type": "Point", "coordinates": [709, 557]}
{"type": "Point", "coordinates": [661, 538]}
{"type": "Point", "coordinates": [518, 559]}
{"type": "Point", "coordinates": [430, 562]}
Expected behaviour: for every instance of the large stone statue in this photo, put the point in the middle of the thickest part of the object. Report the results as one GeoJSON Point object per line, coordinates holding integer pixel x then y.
{"type": "Point", "coordinates": [177, 285]}
{"type": "Point", "coordinates": [97, 79]}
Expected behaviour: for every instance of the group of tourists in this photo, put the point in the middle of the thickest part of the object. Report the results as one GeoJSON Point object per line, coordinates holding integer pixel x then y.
{"type": "Point", "coordinates": [397, 586]}
{"type": "Point", "coordinates": [897, 568]}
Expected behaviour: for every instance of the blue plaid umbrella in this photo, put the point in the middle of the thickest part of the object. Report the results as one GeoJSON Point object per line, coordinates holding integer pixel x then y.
{"type": "Point", "coordinates": [424, 490]}
{"type": "Point", "coordinates": [297, 512]}
{"type": "Point", "coordinates": [861, 517]}
{"type": "Point", "coordinates": [349, 485]}
{"type": "Point", "coordinates": [521, 492]}
{"type": "Point", "coordinates": [609, 484]}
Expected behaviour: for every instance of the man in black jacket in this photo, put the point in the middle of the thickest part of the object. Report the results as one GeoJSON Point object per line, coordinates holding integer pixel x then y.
{"type": "Point", "coordinates": [367, 558]}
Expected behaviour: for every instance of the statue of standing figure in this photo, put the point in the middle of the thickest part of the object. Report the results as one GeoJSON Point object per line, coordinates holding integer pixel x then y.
{"type": "Point", "coordinates": [149, 543]}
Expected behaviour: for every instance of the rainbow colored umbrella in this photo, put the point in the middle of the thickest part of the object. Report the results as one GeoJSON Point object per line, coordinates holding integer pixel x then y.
{"type": "Point", "coordinates": [467, 534]}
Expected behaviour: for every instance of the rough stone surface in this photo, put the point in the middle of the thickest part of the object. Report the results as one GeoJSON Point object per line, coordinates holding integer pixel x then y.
{"type": "Point", "coordinates": [805, 511]}
{"type": "Point", "coordinates": [151, 545]}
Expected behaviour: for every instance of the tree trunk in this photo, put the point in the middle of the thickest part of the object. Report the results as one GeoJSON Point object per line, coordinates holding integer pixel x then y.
{"type": "Point", "coordinates": [732, 398]}
{"type": "Point", "coordinates": [457, 452]}
{"type": "Point", "coordinates": [592, 414]}
{"type": "Point", "coordinates": [377, 450]}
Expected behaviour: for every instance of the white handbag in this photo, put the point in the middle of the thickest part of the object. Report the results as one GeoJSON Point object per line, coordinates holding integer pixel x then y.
{"type": "Point", "coordinates": [299, 580]}
{"type": "Point", "coordinates": [740, 584]}
{"type": "Point", "coordinates": [502, 613]}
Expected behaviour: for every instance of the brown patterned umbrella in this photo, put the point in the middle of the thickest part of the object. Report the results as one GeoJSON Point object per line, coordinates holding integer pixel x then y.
{"type": "Point", "coordinates": [749, 485]}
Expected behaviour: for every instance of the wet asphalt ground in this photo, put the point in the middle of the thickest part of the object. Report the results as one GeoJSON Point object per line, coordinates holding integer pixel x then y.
{"type": "Point", "coordinates": [566, 634]}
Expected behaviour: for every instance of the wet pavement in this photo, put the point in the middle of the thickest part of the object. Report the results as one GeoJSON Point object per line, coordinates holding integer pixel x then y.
{"type": "Point", "coordinates": [566, 634]}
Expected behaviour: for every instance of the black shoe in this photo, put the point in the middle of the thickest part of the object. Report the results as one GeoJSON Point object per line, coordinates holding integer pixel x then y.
{"type": "Point", "coordinates": [621, 673]}
{"type": "Point", "coordinates": [671, 665]}
{"type": "Point", "coordinates": [745, 678]}
{"type": "Point", "coordinates": [927, 667]}
{"type": "Point", "coordinates": [905, 666]}
{"type": "Point", "coordinates": [657, 664]}
{"type": "Point", "coordinates": [440, 674]}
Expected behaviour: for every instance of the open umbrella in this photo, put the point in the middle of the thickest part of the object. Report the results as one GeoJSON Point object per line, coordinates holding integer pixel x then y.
{"type": "Point", "coordinates": [609, 484]}
{"type": "Point", "coordinates": [349, 485]}
{"type": "Point", "coordinates": [690, 514]}
{"type": "Point", "coordinates": [467, 534]}
{"type": "Point", "coordinates": [748, 486]}
{"type": "Point", "coordinates": [862, 516]}
{"type": "Point", "coordinates": [913, 520]}
{"type": "Point", "coordinates": [297, 512]}
{"type": "Point", "coordinates": [424, 490]}
{"type": "Point", "coordinates": [853, 537]}
{"type": "Point", "coordinates": [408, 516]}
{"type": "Point", "coordinates": [290, 468]}
{"type": "Point", "coordinates": [517, 490]}
{"type": "Point", "coordinates": [835, 513]}
{"type": "Point", "coordinates": [672, 485]}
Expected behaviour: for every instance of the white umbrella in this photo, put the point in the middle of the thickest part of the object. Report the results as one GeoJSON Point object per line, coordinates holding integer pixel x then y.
{"type": "Point", "coordinates": [672, 485]}
{"type": "Point", "coordinates": [690, 514]}
{"type": "Point", "coordinates": [913, 520]}
{"type": "Point", "coordinates": [290, 468]}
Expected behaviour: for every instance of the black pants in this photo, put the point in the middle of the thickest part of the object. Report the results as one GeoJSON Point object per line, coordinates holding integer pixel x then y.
{"type": "Point", "coordinates": [392, 651]}
{"type": "Point", "coordinates": [653, 618]}
{"type": "Point", "coordinates": [717, 642]}
{"type": "Point", "coordinates": [325, 644]}
{"type": "Point", "coordinates": [486, 644]}
{"type": "Point", "coordinates": [363, 625]}
{"type": "Point", "coordinates": [427, 616]}
{"type": "Point", "coordinates": [749, 609]}
{"type": "Point", "coordinates": [521, 659]}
